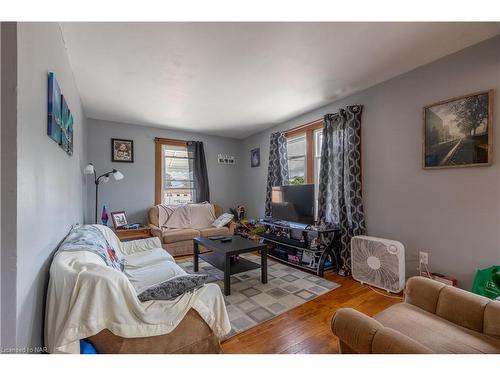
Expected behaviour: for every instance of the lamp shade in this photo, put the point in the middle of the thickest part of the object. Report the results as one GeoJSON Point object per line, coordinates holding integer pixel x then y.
{"type": "Point", "coordinates": [117, 175]}
{"type": "Point", "coordinates": [89, 169]}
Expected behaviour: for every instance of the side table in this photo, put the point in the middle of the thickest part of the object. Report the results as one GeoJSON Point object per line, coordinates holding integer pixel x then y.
{"type": "Point", "coordinates": [133, 234]}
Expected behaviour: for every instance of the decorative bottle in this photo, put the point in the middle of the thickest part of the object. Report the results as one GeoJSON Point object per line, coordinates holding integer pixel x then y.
{"type": "Point", "coordinates": [104, 216]}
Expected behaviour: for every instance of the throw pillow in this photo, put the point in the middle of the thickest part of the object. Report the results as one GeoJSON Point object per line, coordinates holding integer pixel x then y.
{"type": "Point", "coordinates": [222, 220]}
{"type": "Point", "coordinates": [173, 288]}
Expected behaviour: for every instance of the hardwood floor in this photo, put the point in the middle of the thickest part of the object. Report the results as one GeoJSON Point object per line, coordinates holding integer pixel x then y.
{"type": "Point", "coordinates": [306, 328]}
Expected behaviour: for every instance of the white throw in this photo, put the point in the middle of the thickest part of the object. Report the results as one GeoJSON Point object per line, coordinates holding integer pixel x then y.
{"type": "Point", "coordinates": [86, 296]}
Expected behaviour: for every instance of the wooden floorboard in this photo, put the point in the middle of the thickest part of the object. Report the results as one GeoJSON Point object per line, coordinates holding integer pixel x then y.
{"type": "Point", "coordinates": [306, 328]}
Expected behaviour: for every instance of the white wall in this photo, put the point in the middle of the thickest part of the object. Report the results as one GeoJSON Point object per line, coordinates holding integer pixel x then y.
{"type": "Point", "coordinates": [452, 213]}
{"type": "Point", "coordinates": [50, 184]}
{"type": "Point", "coordinates": [136, 193]}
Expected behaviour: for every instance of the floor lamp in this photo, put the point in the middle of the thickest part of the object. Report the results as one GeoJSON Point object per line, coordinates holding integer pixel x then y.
{"type": "Point", "coordinates": [89, 169]}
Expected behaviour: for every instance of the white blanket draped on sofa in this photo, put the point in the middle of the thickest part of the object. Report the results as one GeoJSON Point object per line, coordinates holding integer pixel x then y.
{"type": "Point", "coordinates": [86, 296]}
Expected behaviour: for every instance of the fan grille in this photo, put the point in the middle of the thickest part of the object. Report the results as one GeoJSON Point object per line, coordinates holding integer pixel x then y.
{"type": "Point", "coordinates": [365, 254]}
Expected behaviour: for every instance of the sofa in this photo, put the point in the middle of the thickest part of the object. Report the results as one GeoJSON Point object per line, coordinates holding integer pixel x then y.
{"type": "Point", "coordinates": [179, 241]}
{"type": "Point", "coordinates": [433, 318]}
{"type": "Point", "coordinates": [93, 294]}
{"type": "Point", "coordinates": [191, 336]}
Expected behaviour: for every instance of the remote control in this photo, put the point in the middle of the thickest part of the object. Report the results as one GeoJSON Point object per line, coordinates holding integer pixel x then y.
{"type": "Point", "coordinates": [216, 237]}
{"type": "Point", "coordinates": [226, 239]}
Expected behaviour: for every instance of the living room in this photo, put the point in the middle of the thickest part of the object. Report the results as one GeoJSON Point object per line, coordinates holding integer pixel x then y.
{"type": "Point", "coordinates": [246, 189]}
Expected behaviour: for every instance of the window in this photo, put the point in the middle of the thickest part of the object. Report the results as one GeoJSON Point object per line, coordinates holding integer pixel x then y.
{"type": "Point", "coordinates": [296, 150]}
{"type": "Point", "coordinates": [304, 156]}
{"type": "Point", "coordinates": [304, 151]}
{"type": "Point", "coordinates": [174, 177]}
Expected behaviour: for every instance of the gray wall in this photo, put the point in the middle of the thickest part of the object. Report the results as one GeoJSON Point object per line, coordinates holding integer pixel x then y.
{"type": "Point", "coordinates": [135, 193]}
{"type": "Point", "coordinates": [50, 184]}
{"type": "Point", "coordinates": [8, 159]}
{"type": "Point", "coordinates": [451, 213]}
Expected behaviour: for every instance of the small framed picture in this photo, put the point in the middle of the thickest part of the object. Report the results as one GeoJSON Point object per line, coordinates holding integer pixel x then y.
{"type": "Point", "coordinates": [255, 157]}
{"type": "Point", "coordinates": [458, 132]}
{"type": "Point", "coordinates": [122, 150]}
{"type": "Point", "coordinates": [119, 219]}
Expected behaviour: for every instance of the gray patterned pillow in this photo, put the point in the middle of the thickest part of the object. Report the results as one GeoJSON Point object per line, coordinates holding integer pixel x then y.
{"type": "Point", "coordinates": [173, 287]}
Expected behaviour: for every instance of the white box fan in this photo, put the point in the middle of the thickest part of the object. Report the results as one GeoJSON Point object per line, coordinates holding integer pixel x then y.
{"type": "Point", "coordinates": [378, 262]}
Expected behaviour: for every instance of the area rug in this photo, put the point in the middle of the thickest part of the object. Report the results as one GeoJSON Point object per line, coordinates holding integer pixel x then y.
{"type": "Point", "coordinates": [251, 302]}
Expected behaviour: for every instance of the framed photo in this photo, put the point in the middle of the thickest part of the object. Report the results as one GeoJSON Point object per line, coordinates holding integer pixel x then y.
{"type": "Point", "coordinates": [458, 132]}
{"type": "Point", "coordinates": [54, 109]}
{"type": "Point", "coordinates": [66, 128]}
{"type": "Point", "coordinates": [119, 219]}
{"type": "Point", "coordinates": [255, 157]}
{"type": "Point", "coordinates": [122, 150]}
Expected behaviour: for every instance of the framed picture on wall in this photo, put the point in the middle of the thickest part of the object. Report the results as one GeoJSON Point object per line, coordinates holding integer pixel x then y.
{"type": "Point", "coordinates": [54, 107]}
{"type": "Point", "coordinates": [255, 157]}
{"type": "Point", "coordinates": [122, 150]}
{"type": "Point", "coordinates": [458, 132]}
{"type": "Point", "coordinates": [67, 128]}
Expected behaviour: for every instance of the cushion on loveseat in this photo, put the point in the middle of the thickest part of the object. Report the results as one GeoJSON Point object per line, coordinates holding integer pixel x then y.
{"type": "Point", "coordinates": [202, 215]}
{"type": "Point", "coordinates": [212, 231]}
{"type": "Point", "coordinates": [159, 214]}
{"type": "Point", "coordinates": [149, 268]}
{"type": "Point", "coordinates": [176, 235]}
{"type": "Point", "coordinates": [422, 326]}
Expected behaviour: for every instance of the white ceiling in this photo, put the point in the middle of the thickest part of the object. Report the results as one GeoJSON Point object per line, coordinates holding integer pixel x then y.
{"type": "Point", "coordinates": [236, 79]}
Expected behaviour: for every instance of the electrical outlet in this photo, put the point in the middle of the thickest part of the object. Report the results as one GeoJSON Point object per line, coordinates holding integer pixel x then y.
{"type": "Point", "coordinates": [424, 257]}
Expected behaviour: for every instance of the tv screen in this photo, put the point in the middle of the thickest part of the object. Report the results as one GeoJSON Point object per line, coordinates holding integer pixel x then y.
{"type": "Point", "coordinates": [293, 203]}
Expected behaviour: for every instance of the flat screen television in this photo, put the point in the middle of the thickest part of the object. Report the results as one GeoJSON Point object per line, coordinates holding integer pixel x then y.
{"type": "Point", "coordinates": [293, 203]}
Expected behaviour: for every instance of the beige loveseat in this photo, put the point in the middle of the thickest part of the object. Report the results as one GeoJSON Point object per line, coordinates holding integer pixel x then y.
{"type": "Point", "coordinates": [434, 318]}
{"type": "Point", "coordinates": [180, 241]}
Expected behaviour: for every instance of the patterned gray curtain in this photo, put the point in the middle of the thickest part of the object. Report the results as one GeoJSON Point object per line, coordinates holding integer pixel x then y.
{"type": "Point", "coordinates": [339, 197]}
{"type": "Point", "coordinates": [277, 171]}
{"type": "Point", "coordinates": [198, 167]}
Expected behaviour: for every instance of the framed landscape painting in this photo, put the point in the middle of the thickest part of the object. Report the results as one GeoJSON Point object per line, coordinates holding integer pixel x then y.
{"type": "Point", "coordinates": [458, 132]}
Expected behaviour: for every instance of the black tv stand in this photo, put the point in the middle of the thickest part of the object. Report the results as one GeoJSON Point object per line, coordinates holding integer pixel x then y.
{"type": "Point", "coordinates": [311, 248]}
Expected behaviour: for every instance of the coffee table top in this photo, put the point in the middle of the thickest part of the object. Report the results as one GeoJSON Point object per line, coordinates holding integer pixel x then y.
{"type": "Point", "coordinates": [237, 246]}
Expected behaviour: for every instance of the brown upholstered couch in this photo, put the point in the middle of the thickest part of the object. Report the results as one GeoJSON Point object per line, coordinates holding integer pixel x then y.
{"type": "Point", "coordinates": [434, 318]}
{"type": "Point", "coordinates": [180, 241]}
{"type": "Point", "coordinates": [191, 336]}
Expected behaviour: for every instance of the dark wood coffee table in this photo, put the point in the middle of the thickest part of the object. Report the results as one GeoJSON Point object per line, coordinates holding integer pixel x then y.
{"type": "Point", "coordinates": [220, 254]}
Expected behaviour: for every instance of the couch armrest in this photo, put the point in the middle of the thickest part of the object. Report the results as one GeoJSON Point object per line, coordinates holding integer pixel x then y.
{"type": "Point", "coordinates": [491, 325]}
{"type": "Point", "coordinates": [365, 335]}
{"type": "Point", "coordinates": [355, 329]}
{"type": "Point", "coordinates": [131, 247]}
{"type": "Point", "coordinates": [232, 227]}
{"type": "Point", "coordinates": [390, 341]}
{"type": "Point", "coordinates": [156, 231]}
{"type": "Point", "coordinates": [423, 293]}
